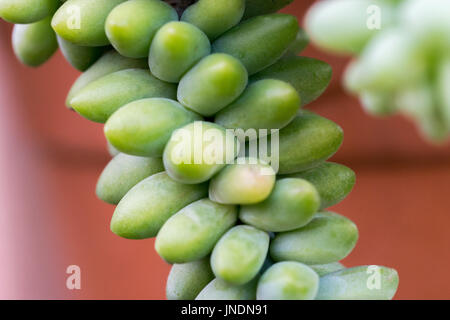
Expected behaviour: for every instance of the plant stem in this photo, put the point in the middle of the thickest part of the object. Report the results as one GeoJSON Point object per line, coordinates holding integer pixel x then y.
{"type": "Point", "coordinates": [180, 5]}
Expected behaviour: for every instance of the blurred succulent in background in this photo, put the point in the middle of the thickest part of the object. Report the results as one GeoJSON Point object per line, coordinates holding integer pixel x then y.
{"type": "Point", "coordinates": [401, 51]}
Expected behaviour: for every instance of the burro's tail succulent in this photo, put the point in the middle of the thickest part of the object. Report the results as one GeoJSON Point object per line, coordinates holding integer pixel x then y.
{"type": "Point", "coordinates": [214, 154]}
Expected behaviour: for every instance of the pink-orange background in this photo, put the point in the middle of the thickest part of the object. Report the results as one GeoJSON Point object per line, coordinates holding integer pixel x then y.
{"type": "Point", "coordinates": [50, 218]}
